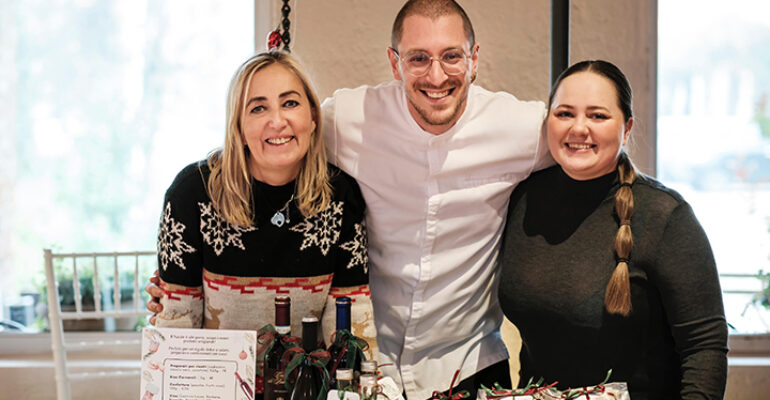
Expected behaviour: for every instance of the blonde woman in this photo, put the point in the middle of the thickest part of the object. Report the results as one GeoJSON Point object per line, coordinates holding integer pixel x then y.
{"type": "Point", "coordinates": [605, 268]}
{"type": "Point", "coordinates": [264, 214]}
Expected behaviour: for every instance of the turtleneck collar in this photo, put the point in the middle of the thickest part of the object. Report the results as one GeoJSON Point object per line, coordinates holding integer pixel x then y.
{"type": "Point", "coordinates": [558, 204]}
{"type": "Point", "coordinates": [592, 188]}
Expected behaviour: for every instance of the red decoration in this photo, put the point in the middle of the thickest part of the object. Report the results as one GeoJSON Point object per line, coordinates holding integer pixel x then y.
{"type": "Point", "coordinates": [273, 40]}
{"type": "Point", "coordinates": [437, 395]}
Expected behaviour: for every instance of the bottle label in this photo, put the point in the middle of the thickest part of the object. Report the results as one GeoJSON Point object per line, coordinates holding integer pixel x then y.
{"type": "Point", "coordinates": [283, 330]}
{"type": "Point", "coordinates": [390, 389]}
{"type": "Point", "coordinates": [275, 385]}
{"type": "Point", "coordinates": [334, 394]}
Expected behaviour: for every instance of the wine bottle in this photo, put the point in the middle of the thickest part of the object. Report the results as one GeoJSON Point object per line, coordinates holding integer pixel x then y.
{"type": "Point", "coordinates": [309, 381]}
{"type": "Point", "coordinates": [275, 383]}
{"type": "Point", "coordinates": [339, 357]}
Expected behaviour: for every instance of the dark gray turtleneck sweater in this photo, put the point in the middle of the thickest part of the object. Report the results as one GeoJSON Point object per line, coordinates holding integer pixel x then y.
{"type": "Point", "coordinates": [557, 257]}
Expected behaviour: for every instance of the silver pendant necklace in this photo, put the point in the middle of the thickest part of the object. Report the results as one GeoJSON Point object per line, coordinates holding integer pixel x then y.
{"type": "Point", "coordinates": [282, 215]}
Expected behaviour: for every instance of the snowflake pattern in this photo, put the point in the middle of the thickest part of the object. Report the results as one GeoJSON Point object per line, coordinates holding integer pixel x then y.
{"type": "Point", "coordinates": [323, 229]}
{"type": "Point", "coordinates": [219, 233]}
{"type": "Point", "coordinates": [171, 245]}
{"type": "Point", "coordinates": [357, 247]}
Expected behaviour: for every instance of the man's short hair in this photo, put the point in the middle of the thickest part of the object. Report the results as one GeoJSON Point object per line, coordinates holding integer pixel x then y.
{"type": "Point", "coordinates": [432, 9]}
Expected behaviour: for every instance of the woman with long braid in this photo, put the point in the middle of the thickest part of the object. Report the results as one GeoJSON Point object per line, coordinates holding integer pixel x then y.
{"type": "Point", "coordinates": [605, 268]}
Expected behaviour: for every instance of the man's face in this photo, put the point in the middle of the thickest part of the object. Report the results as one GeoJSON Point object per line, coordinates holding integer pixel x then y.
{"type": "Point", "coordinates": [436, 100]}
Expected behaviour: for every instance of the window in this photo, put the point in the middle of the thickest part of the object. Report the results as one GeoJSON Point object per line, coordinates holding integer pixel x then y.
{"type": "Point", "coordinates": [103, 102]}
{"type": "Point", "coordinates": [714, 138]}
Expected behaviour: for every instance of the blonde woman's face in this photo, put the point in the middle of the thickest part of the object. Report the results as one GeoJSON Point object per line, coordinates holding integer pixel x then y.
{"type": "Point", "coordinates": [586, 127]}
{"type": "Point", "coordinates": [277, 124]}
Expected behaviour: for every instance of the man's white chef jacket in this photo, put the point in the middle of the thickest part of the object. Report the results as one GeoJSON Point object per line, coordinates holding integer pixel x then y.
{"type": "Point", "coordinates": [435, 211]}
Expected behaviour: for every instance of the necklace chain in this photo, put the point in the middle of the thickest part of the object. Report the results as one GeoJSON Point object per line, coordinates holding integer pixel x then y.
{"type": "Point", "coordinates": [281, 216]}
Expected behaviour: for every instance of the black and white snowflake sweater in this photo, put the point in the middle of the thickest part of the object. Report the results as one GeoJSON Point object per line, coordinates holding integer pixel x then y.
{"type": "Point", "coordinates": [222, 276]}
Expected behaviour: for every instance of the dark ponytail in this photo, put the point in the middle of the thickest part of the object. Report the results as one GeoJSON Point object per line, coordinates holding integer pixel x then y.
{"type": "Point", "coordinates": [617, 297]}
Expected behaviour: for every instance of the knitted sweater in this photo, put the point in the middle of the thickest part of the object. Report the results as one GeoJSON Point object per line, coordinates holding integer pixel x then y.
{"type": "Point", "coordinates": [222, 276]}
{"type": "Point", "coordinates": [556, 261]}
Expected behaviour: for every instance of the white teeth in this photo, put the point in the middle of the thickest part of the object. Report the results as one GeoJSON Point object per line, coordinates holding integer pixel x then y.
{"type": "Point", "coordinates": [437, 95]}
{"type": "Point", "coordinates": [280, 140]}
{"type": "Point", "coordinates": [579, 146]}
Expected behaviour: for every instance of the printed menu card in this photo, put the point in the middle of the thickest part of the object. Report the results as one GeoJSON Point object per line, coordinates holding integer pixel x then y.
{"type": "Point", "coordinates": [197, 364]}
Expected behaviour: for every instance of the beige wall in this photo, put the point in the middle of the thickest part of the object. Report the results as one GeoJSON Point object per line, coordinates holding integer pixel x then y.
{"type": "Point", "coordinates": [342, 43]}
{"type": "Point", "coordinates": [624, 32]}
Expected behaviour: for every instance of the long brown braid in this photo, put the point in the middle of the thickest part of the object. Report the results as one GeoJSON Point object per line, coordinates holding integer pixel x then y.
{"type": "Point", "coordinates": [617, 295]}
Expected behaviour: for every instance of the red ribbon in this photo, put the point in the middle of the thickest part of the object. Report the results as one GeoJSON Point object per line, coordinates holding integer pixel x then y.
{"type": "Point", "coordinates": [457, 396]}
{"type": "Point", "coordinates": [266, 337]}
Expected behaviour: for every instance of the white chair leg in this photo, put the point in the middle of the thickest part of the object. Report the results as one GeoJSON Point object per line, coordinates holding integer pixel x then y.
{"type": "Point", "coordinates": [57, 332]}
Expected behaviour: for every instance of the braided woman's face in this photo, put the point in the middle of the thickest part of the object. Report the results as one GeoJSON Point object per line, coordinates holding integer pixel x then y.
{"type": "Point", "coordinates": [586, 127]}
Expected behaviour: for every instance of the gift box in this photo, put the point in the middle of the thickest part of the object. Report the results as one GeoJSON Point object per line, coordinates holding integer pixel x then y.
{"type": "Point", "coordinates": [606, 391]}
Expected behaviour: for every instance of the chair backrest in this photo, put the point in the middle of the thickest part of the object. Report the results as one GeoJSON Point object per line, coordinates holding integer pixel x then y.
{"type": "Point", "coordinates": [83, 270]}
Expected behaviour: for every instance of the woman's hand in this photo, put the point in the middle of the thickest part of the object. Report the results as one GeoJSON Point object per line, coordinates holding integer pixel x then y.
{"type": "Point", "coordinates": [154, 290]}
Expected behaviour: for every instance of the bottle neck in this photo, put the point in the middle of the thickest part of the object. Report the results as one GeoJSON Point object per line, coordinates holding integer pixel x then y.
{"type": "Point", "coordinates": [283, 316]}
{"type": "Point", "coordinates": [343, 312]}
{"type": "Point", "coordinates": [310, 335]}
{"type": "Point", "coordinates": [343, 317]}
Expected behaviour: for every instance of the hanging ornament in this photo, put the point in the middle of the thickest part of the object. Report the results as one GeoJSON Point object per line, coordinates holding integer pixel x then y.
{"type": "Point", "coordinates": [286, 24]}
{"type": "Point", "coordinates": [274, 40]}
{"type": "Point", "coordinates": [276, 37]}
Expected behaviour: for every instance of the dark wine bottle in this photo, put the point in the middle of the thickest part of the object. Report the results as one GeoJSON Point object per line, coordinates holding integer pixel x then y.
{"type": "Point", "coordinates": [309, 382]}
{"type": "Point", "coordinates": [339, 357]}
{"type": "Point", "coordinates": [275, 382]}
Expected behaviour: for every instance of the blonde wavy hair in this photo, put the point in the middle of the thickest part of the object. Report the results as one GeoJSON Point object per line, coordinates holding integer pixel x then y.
{"type": "Point", "coordinates": [229, 184]}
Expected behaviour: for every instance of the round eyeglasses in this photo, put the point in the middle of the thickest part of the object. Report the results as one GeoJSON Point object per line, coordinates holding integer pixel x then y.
{"type": "Point", "coordinates": [418, 63]}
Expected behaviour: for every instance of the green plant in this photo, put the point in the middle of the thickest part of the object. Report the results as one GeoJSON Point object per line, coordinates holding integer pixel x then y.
{"type": "Point", "coordinates": [141, 322]}
{"type": "Point", "coordinates": [763, 297]}
{"type": "Point", "coordinates": [762, 116]}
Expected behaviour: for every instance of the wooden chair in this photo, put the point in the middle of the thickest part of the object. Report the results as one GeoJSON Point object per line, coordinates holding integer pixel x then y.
{"type": "Point", "coordinates": [56, 316]}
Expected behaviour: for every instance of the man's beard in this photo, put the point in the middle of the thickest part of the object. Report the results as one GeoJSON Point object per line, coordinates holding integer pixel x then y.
{"type": "Point", "coordinates": [432, 117]}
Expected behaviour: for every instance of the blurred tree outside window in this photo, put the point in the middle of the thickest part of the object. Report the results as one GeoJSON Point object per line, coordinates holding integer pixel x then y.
{"type": "Point", "coordinates": [714, 138]}
{"type": "Point", "coordinates": [101, 104]}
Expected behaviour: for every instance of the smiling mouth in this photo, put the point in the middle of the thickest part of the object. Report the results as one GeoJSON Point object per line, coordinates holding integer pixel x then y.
{"type": "Point", "coordinates": [279, 140]}
{"type": "Point", "coordinates": [437, 95]}
{"type": "Point", "coordinates": [579, 146]}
